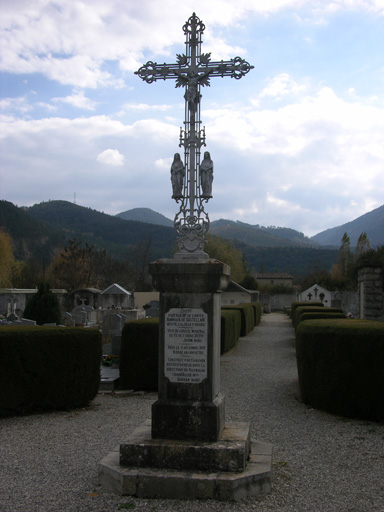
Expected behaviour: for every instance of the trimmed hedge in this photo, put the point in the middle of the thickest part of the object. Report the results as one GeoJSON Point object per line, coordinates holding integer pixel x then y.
{"type": "Point", "coordinates": [257, 312]}
{"type": "Point", "coordinates": [312, 309]}
{"type": "Point", "coordinates": [230, 329]}
{"type": "Point", "coordinates": [320, 315]}
{"type": "Point", "coordinates": [45, 368]}
{"type": "Point", "coordinates": [247, 316]}
{"type": "Point", "coordinates": [340, 365]}
{"type": "Point", "coordinates": [139, 355]}
{"type": "Point", "coordinates": [296, 304]}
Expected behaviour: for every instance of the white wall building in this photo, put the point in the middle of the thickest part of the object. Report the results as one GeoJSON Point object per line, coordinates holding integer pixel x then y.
{"type": "Point", "coordinates": [316, 293]}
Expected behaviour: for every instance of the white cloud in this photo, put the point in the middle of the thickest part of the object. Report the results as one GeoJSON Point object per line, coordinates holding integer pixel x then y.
{"type": "Point", "coordinates": [19, 104]}
{"type": "Point", "coordinates": [305, 163]}
{"type": "Point", "coordinates": [145, 107]}
{"type": "Point", "coordinates": [282, 85]}
{"type": "Point", "coordinates": [71, 42]}
{"type": "Point", "coordinates": [111, 157]}
{"type": "Point", "coordinates": [78, 100]}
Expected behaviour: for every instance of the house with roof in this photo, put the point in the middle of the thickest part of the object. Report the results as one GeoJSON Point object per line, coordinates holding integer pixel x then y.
{"type": "Point", "coordinates": [236, 294]}
{"type": "Point", "coordinates": [116, 297]}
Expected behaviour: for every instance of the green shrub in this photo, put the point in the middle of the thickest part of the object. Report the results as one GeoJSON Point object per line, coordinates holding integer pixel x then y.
{"type": "Point", "coordinates": [257, 310]}
{"type": "Point", "coordinates": [296, 304]}
{"type": "Point", "coordinates": [43, 306]}
{"type": "Point", "coordinates": [139, 355]}
{"type": "Point", "coordinates": [312, 309]}
{"type": "Point", "coordinates": [230, 329]}
{"type": "Point", "coordinates": [340, 365]}
{"type": "Point", "coordinates": [43, 368]}
{"type": "Point", "coordinates": [320, 315]}
{"type": "Point", "coordinates": [247, 316]}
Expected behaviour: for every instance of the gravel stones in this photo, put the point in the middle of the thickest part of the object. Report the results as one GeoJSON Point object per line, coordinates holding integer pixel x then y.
{"type": "Point", "coordinates": [322, 463]}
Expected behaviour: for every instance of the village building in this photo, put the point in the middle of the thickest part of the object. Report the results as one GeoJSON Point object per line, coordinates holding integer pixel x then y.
{"type": "Point", "coordinates": [236, 294]}
{"type": "Point", "coordinates": [116, 297]}
{"type": "Point", "coordinates": [316, 293]}
{"type": "Point", "coordinates": [273, 279]}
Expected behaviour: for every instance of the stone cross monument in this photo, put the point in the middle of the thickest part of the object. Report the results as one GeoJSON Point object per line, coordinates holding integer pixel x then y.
{"type": "Point", "coordinates": [192, 181]}
{"type": "Point", "coordinates": [186, 450]}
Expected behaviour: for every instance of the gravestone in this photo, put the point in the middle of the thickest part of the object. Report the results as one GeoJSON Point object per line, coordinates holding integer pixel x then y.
{"type": "Point", "coordinates": [25, 321]}
{"type": "Point", "coordinates": [68, 320]}
{"type": "Point", "coordinates": [79, 315]}
{"type": "Point", "coordinates": [187, 450]}
{"type": "Point", "coordinates": [113, 324]}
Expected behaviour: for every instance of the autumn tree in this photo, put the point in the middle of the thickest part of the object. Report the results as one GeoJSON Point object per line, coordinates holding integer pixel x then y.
{"type": "Point", "coordinates": [362, 246]}
{"type": "Point", "coordinates": [138, 264]}
{"type": "Point", "coordinates": [77, 266]}
{"type": "Point", "coordinates": [225, 251]}
{"type": "Point", "coordinates": [116, 272]}
{"type": "Point", "coordinates": [27, 274]}
{"type": "Point", "coordinates": [6, 260]}
{"type": "Point", "coordinates": [343, 258]}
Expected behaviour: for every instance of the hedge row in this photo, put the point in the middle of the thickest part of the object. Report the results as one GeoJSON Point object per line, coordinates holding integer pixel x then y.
{"type": "Point", "coordinates": [321, 315]}
{"type": "Point", "coordinates": [299, 311]}
{"type": "Point", "coordinates": [340, 365]}
{"type": "Point", "coordinates": [140, 344]}
{"type": "Point", "coordinates": [139, 355]}
{"type": "Point", "coordinates": [46, 368]}
{"type": "Point", "coordinates": [248, 316]}
{"type": "Point", "coordinates": [230, 329]}
{"type": "Point", "coordinates": [297, 304]}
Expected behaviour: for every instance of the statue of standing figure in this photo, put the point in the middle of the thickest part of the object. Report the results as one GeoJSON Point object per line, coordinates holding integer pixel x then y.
{"type": "Point", "coordinates": [177, 176]}
{"type": "Point", "coordinates": [206, 176]}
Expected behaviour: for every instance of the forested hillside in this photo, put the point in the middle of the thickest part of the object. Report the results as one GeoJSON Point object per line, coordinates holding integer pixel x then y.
{"type": "Point", "coordinates": [104, 231]}
{"type": "Point", "coordinates": [42, 229]}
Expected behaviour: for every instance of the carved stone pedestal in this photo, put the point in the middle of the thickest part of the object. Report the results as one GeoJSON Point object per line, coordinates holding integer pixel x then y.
{"type": "Point", "coordinates": [187, 451]}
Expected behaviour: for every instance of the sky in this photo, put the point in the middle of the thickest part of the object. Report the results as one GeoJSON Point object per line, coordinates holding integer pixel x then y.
{"type": "Point", "coordinates": [298, 142]}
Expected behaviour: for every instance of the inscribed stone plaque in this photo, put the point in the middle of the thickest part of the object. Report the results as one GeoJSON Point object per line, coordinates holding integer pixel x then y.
{"type": "Point", "coordinates": [186, 344]}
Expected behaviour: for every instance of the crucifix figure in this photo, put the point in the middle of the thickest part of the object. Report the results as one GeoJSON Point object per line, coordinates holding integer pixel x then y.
{"type": "Point", "coordinates": [192, 71]}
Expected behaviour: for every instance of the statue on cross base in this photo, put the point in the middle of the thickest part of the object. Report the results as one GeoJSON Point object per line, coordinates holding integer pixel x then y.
{"type": "Point", "coordinates": [206, 176]}
{"type": "Point", "coordinates": [177, 177]}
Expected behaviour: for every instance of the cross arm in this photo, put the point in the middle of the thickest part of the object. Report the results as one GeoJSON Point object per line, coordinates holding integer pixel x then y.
{"type": "Point", "coordinates": [235, 68]}
{"type": "Point", "coordinates": [151, 71]}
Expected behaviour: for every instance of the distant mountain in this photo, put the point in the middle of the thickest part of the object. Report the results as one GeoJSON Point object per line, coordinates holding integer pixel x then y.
{"type": "Point", "coordinates": [104, 231]}
{"type": "Point", "coordinates": [371, 223]}
{"type": "Point", "coordinates": [39, 230]}
{"type": "Point", "coordinates": [146, 215]}
{"type": "Point", "coordinates": [259, 236]}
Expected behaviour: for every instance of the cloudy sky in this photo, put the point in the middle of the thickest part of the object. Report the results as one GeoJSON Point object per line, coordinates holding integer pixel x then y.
{"type": "Point", "coordinates": [298, 142]}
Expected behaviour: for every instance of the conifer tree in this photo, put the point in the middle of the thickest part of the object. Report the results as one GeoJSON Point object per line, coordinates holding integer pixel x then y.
{"type": "Point", "coordinates": [43, 306]}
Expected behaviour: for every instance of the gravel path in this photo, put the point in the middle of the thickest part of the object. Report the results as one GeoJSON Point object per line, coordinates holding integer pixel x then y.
{"type": "Point", "coordinates": [48, 462]}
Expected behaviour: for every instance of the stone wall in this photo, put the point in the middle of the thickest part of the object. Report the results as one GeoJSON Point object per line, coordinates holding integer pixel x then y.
{"type": "Point", "coordinates": [347, 301]}
{"type": "Point", "coordinates": [276, 301]}
{"type": "Point", "coordinates": [371, 294]}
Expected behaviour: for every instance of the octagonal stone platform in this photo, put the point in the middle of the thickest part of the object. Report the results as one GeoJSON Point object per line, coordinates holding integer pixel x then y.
{"type": "Point", "coordinates": [232, 468]}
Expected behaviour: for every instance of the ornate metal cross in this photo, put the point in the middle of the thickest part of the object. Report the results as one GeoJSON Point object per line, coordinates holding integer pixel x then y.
{"type": "Point", "coordinates": [192, 180]}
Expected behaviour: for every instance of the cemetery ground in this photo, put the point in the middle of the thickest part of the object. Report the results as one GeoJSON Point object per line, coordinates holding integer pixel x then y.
{"type": "Point", "coordinates": [321, 462]}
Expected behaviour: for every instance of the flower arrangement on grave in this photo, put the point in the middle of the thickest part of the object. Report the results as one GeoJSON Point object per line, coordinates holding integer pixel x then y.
{"type": "Point", "coordinates": [111, 360]}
